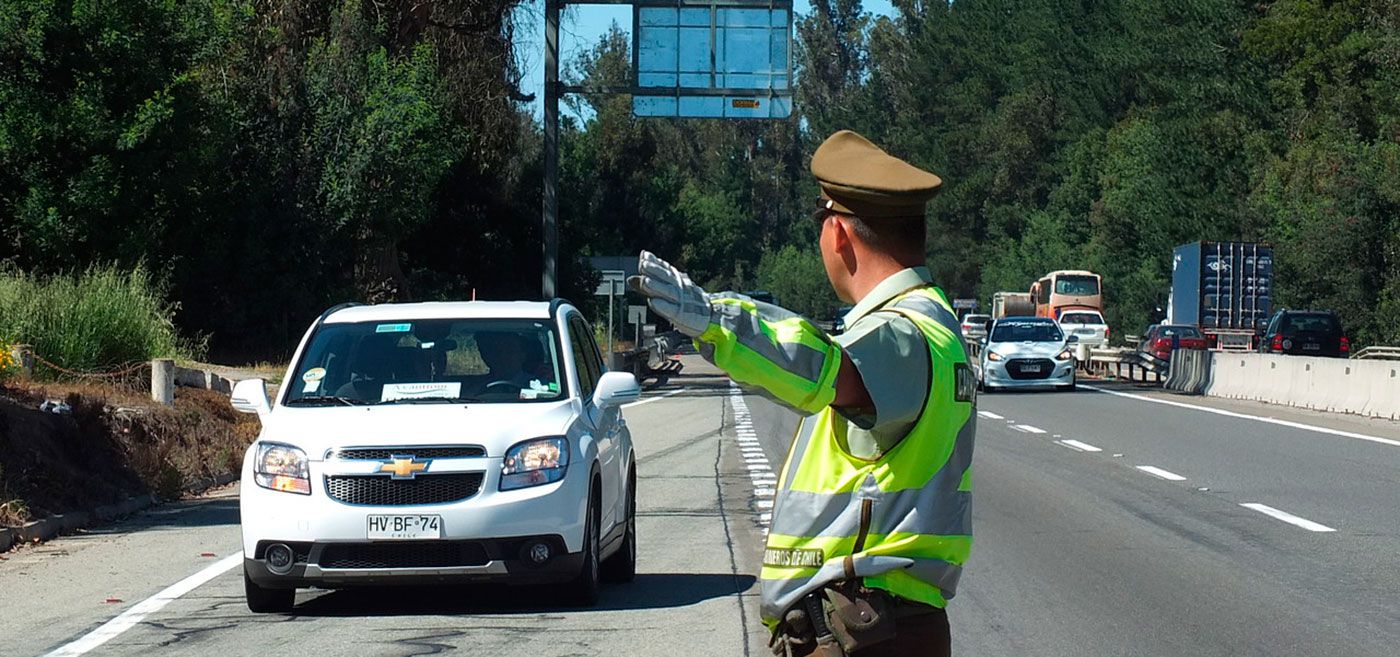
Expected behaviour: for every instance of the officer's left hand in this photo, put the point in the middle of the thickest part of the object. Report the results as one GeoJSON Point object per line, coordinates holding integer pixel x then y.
{"type": "Point", "coordinates": [672, 294]}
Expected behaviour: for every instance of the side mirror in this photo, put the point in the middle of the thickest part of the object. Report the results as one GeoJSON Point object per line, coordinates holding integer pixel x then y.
{"type": "Point", "coordinates": [988, 325]}
{"type": "Point", "coordinates": [615, 389]}
{"type": "Point", "coordinates": [1072, 339]}
{"type": "Point", "coordinates": [250, 396]}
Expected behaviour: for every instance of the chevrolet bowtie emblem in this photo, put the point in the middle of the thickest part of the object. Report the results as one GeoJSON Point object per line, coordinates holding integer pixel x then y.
{"type": "Point", "coordinates": [403, 467]}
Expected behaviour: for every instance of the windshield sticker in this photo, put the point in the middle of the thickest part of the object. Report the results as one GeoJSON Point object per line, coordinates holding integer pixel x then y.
{"type": "Point", "coordinates": [449, 390]}
{"type": "Point", "coordinates": [393, 328]}
{"type": "Point", "coordinates": [310, 387]}
{"type": "Point", "coordinates": [553, 387]}
{"type": "Point", "coordinates": [314, 374]}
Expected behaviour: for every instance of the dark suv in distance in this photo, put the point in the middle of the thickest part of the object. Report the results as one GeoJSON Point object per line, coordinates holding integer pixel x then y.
{"type": "Point", "coordinates": [1305, 333]}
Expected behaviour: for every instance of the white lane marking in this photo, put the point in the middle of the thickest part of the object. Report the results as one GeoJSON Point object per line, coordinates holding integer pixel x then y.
{"type": "Point", "coordinates": [1158, 472]}
{"type": "Point", "coordinates": [129, 618]}
{"type": "Point", "coordinates": [649, 400]}
{"type": "Point", "coordinates": [764, 492]}
{"type": "Point", "coordinates": [758, 466]}
{"type": "Point", "coordinates": [990, 415]}
{"type": "Point", "coordinates": [1027, 428]}
{"type": "Point", "coordinates": [1075, 444]}
{"type": "Point", "coordinates": [765, 518]}
{"type": "Point", "coordinates": [764, 504]}
{"type": "Point", "coordinates": [1287, 517]}
{"type": "Point", "coordinates": [1245, 416]}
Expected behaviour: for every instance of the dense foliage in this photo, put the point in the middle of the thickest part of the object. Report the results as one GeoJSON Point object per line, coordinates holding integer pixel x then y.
{"type": "Point", "coordinates": [269, 157]}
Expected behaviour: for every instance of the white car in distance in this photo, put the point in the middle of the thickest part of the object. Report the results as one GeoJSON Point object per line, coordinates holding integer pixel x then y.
{"type": "Point", "coordinates": [1087, 325]}
{"type": "Point", "coordinates": [440, 443]}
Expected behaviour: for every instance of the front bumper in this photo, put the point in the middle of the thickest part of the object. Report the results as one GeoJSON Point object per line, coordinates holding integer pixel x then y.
{"type": "Point", "coordinates": [1000, 374]}
{"type": "Point", "coordinates": [482, 536]}
{"type": "Point", "coordinates": [489, 560]}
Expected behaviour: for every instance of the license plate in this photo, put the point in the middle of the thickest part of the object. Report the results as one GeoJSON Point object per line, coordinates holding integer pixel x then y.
{"type": "Point", "coordinates": [1030, 368]}
{"type": "Point", "coordinates": [404, 527]}
{"type": "Point", "coordinates": [1312, 347]}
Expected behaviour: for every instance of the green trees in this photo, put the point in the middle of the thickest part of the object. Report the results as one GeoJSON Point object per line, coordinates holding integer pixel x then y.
{"type": "Point", "coordinates": [266, 158]}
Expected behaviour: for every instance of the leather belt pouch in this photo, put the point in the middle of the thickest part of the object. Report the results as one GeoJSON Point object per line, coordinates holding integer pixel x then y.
{"type": "Point", "coordinates": [860, 620]}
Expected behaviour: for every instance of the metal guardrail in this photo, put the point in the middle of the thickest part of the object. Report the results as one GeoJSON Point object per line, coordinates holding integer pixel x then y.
{"type": "Point", "coordinates": [1378, 353]}
{"type": "Point", "coordinates": [1114, 360]}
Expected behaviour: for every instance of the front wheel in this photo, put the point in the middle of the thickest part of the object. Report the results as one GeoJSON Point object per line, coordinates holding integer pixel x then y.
{"type": "Point", "coordinates": [267, 601]}
{"type": "Point", "coordinates": [621, 567]}
{"type": "Point", "coordinates": [583, 590]}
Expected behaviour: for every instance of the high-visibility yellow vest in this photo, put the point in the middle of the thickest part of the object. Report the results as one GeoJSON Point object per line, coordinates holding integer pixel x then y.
{"type": "Point", "coordinates": [901, 523]}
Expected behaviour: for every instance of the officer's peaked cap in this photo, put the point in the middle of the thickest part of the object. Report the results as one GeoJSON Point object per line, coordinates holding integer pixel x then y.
{"type": "Point", "coordinates": [858, 177]}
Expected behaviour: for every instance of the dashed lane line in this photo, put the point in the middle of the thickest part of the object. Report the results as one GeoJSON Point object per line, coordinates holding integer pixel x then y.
{"type": "Point", "coordinates": [649, 400]}
{"type": "Point", "coordinates": [1287, 517]}
{"type": "Point", "coordinates": [754, 458]}
{"type": "Point", "coordinates": [1075, 444]}
{"type": "Point", "coordinates": [1026, 428]}
{"type": "Point", "coordinates": [1158, 472]}
{"type": "Point", "coordinates": [990, 415]}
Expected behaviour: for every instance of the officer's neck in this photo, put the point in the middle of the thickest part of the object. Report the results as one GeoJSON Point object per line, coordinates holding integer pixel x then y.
{"type": "Point", "coordinates": [872, 271]}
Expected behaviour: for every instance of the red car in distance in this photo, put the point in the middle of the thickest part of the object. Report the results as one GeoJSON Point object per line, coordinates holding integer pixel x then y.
{"type": "Point", "coordinates": [1161, 340]}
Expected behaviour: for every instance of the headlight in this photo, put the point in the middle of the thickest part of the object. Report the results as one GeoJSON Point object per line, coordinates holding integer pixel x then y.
{"type": "Point", "coordinates": [992, 355]}
{"type": "Point", "coordinates": [282, 467]}
{"type": "Point", "coordinates": [1066, 354]}
{"type": "Point", "coordinates": [535, 462]}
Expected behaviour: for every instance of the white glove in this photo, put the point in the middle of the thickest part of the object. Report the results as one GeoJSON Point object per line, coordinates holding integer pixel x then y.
{"type": "Point", "coordinates": [672, 295]}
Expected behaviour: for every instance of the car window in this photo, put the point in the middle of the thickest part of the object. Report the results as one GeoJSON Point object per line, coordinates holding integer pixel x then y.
{"type": "Point", "coordinates": [1081, 318]}
{"type": "Point", "coordinates": [585, 356]}
{"type": "Point", "coordinates": [480, 360]}
{"type": "Point", "coordinates": [1180, 332]}
{"type": "Point", "coordinates": [1294, 324]}
{"type": "Point", "coordinates": [976, 319]}
{"type": "Point", "coordinates": [1026, 332]}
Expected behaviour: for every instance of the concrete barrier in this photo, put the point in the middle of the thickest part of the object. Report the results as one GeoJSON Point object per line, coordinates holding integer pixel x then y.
{"type": "Point", "coordinates": [1384, 400]}
{"type": "Point", "coordinates": [1363, 387]}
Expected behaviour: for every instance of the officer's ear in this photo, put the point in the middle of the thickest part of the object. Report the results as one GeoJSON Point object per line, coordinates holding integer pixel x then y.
{"type": "Point", "coordinates": [842, 234]}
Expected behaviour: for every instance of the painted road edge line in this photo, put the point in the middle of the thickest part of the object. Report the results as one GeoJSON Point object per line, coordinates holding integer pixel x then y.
{"type": "Point", "coordinates": [754, 458]}
{"type": "Point", "coordinates": [129, 618]}
{"type": "Point", "coordinates": [1160, 473]}
{"type": "Point", "coordinates": [1287, 517]}
{"type": "Point", "coordinates": [649, 400]}
{"type": "Point", "coordinates": [1246, 416]}
{"type": "Point", "coordinates": [1075, 444]}
{"type": "Point", "coordinates": [990, 415]}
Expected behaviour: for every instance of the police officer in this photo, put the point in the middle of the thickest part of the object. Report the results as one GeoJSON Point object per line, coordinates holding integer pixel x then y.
{"type": "Point", "coordinates": [872, 522]}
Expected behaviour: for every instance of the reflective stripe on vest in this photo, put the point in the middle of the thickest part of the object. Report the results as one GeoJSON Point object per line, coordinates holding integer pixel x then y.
{"type": "Point", "coordinates": [910, 510]}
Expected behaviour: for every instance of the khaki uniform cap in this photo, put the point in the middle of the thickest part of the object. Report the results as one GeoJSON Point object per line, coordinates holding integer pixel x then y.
{"type": "Point", "coordinates": [859, 178]}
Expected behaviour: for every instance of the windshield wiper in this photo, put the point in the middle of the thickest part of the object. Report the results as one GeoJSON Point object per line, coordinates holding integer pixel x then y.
{"type": "Point", "coordinates": [324, 401]}
{"type": "Point", "coordinates": [428, 400]}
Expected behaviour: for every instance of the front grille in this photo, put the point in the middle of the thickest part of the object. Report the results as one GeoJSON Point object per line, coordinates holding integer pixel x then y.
{"type": "Point", "coordinates": [1016, 368]}
{"type": "Point", "coordinates": [436, 554]}
{"type": "Point", "coordinates": [381, 490]}
{"type": "Point", "coordinates": [386, 453]}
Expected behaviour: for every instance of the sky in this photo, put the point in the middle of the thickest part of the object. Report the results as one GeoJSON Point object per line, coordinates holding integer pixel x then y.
{"type": "Point", "coordinates": [581, 26]}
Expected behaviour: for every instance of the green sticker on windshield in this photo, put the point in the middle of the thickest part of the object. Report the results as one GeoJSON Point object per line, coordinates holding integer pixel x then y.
{"type": "Point", "coordinates": [553, 387]}
{"type": "Point", "coordinates": [393, 328]}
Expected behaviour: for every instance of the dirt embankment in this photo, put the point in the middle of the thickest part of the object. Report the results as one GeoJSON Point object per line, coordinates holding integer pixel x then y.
{"type": "Point", "coordinates": [112, 445]}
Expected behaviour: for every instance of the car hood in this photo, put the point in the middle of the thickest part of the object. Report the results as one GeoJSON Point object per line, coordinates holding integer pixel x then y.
{"type": "Point", "coordinates": [494, 426]}
{"type": "Point", "coordinates": [1027, 349]}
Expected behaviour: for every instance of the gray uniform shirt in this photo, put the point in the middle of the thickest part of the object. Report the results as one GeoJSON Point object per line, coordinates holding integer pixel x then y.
{"type": "Point", "coordinates": [892, 357]}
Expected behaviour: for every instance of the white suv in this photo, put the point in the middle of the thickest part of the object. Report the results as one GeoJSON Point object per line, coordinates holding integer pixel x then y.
{"type": "Point", "coordinates": [440, 442]}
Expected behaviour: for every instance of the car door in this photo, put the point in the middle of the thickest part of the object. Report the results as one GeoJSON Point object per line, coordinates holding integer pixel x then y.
{"type": "Point", "coordinates": [602, 425]}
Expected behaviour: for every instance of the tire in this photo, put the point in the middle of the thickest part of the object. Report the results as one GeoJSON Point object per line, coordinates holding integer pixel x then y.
{"type": "Point", "coordinates": [267, 601]}
{"type": "Point", "coordinates": [583, 590]}
{"type": "Point", "coordinates": [621, 567]}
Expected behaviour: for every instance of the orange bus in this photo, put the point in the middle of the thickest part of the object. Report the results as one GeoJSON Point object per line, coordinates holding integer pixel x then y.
{"type": "Point", "coordinates": [1059, 291]}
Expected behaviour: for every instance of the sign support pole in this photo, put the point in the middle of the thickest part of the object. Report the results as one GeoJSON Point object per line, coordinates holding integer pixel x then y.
{"type": "Point", "coordinates": [550, 278]}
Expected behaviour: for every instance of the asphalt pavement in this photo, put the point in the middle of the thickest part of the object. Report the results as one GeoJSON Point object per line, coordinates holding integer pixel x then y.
{"type": "Point", "coordinates": [1108, 522]}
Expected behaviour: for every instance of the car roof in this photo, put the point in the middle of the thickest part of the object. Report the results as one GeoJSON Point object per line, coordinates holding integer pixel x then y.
{"type": "Point", "coordinates": [1028, 318]}
{"type": "Point", "coordinates": [442, 310]}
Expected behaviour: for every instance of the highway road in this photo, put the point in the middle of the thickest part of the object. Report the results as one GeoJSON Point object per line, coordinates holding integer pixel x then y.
{"type": "Point", "coordinates": [1108, 522]}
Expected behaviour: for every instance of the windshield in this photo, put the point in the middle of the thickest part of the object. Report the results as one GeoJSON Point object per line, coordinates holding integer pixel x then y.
{"type": "Point", "coordinates": [1081, 318]}
{"type": "Point", "coordinates": [976, 319]}
{"type": "Point", "coordinates": [1026, 332]}
{"type": "Point", "coordinates": [1294, 324]}
{"type": "Point", "coordinates": [429, 361]}
{"type": "Point", "coordinates": [1077, 285]}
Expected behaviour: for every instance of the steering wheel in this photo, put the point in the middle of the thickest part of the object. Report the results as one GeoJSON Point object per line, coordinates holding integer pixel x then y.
{"type": "Point", "coordinates": [513, 385]}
